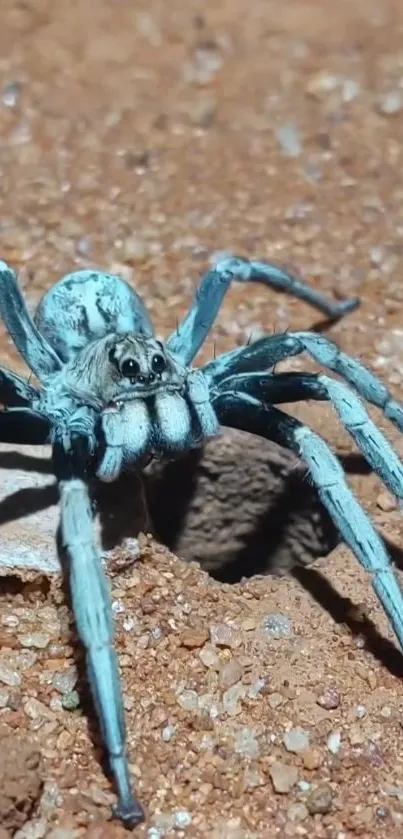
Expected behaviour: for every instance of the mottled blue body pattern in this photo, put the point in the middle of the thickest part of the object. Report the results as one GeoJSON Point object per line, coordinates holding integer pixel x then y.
{"type": "Point", "coordinates": [111, 396]}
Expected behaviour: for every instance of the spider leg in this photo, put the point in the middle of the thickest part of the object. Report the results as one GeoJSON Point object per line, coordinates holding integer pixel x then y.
{"type": "Point", "coordinates": [31, 345]}
{"type": "Point", "coordinates": [91, 602]}
{"type": "Point", "coordinates": [22, 426]}
{"type": "Point", "coordinates": [192, 331]}
{"type": "Point", "coordinates": [267, 352]}
{"type": "Point", "coordinates": [248, 413]}
{"type": "Point", "coordinates": [291, 387]}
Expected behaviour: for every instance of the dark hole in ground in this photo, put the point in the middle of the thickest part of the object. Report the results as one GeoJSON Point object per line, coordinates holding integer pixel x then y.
{"type": "Point", "coordinates": [12, 585]}
{"type": "Point", "coordinates": [240, 507]}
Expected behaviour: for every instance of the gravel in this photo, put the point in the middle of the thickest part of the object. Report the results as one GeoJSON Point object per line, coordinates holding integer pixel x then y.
{"type": "Point", "coordinates": [146, 140]}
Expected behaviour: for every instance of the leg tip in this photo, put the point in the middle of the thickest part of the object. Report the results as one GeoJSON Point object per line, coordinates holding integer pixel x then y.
{"type": "Point", "coordinates": [346, 306]}
{"type": "Point", "coordinates": [130, 813]}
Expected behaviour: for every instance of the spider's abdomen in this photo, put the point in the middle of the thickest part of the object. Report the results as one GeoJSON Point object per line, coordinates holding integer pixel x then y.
{"type": "Point", "coordinates": [87, 305]}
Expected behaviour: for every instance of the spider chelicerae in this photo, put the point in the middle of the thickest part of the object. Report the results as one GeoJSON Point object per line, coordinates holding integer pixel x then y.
{"type": "Point", "coordinates": [110, 396]}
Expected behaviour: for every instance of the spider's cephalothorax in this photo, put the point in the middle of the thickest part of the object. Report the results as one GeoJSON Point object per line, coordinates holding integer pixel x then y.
{"type": "Point", "coordinates": [111, 396]}
{"type": "Point", "coordinates": [134, 396]}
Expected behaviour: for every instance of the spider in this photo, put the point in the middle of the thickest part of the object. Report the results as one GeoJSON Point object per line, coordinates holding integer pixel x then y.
{"type": "Point", "coordinates": [110, 397]}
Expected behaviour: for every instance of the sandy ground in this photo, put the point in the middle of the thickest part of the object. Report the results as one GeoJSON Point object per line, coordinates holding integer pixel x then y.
{"type": "Point", "coordinates": [143, 137]}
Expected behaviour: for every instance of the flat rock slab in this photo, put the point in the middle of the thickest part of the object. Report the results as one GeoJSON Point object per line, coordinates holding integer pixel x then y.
{"type": "Point", "coordinates": [28, 509]}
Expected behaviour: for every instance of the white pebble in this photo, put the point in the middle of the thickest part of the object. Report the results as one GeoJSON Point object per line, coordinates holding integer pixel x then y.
{"type": "Point", "coordinates": [360, 712]}
{"type": "Point", "coordinates": [289, 140]}
{"type": "Point", "coordinates": [188, 699]}
{"type": "Point", "coordinates": [182, 818]}
{"type": "Point", "coordinates": [296, 740]}
{"type": "Point", "coordinates": [256, 688]}
{"type": "Point", "coordinates": [4, 697]}
{"type": "Point", "coordinates": [9, 677]}
{"type": "Point", "coordinates": [334, 742]}
{"type": "Point", "coordinates": [276, 626]}
{"type": "Point", "coordinates": [246, 743]}
{"type": "Point", "coordinates": [36, 639]}
{"type": "Point", "coordinates": [168, 732]}
{"type": "Point", "coordinates": [391, 103]}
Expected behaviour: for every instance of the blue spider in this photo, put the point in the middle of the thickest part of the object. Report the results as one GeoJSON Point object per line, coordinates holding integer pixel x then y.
{"type": "Point", "coordinates": [110, 396]}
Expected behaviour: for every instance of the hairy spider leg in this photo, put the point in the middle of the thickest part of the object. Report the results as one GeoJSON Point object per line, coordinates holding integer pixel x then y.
{"type": "Point", "coordinates": [187, 339]}
{"type": "Point", "coordinates": [91, 602]}
{"type": "Point", "coordinates": [31, 345]}
{"type": "Point", "coordinates": [248, 413]}
{"type": "Point", "coordinates": [269, 351]}
{"type": "Point", "coordinates": [292, 387]}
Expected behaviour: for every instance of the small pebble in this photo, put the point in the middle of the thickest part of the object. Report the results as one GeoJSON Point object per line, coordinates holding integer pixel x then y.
{"type": "Point", "coordinates": [334, 742]}
{"type": "Point", "coordinates": [386, 502]}
{"type": "Point", "coordinates": [253, 778]}
{"type": "Point", "coordinates": [11, 94]}
{"type": "Point", "coordinates": [275, 699]}
{"type": "Point", "coordinates": [36, 709]}
{"type": "Point", "coordinates": [277, 626]}
{"type": "Point", "coordinates": [350, 91]}
{"type": "Point", "coordinates": [38, 640]}
{"type": "Point", "coordinates": [391, 103]}
{"type": "Point", "coordinates": [360, 712]}
{"type": "Point", "coordinates": [4, 697]}
{"type": "Point", "coordinates": [70, 700]}
{"type": "Point", "coordinates": [231, 697]}
{"type": "Point", "coordinates": [189, 700]}
{"type": "Point", "coordinates": [34, 829]}
{"type": "Point", "coordinates": [225, 636]}
{"type": "Point", "coordinates": [202, 111]}
{"type": "Point", "coordinates": [65, 680]}
{"type": "Point", "coordinates": [283, 777]}
{"type": "Point", "coordinates": [9, 677]}
{"type": "Point", "coordinates": [386, 712]}
{"type": "Point", "coordinates": [296, 740]}
{"type": "Point", "coordinates": [249, 624]}
{"type": "Point", "coordinates": [297, 812]}
{"type": "Point", "coordinates": [329, 699]}
{"type": "Point", "coordinates": [182, 818]}
{"type": "Point", "coordinates": [134, 250]}
{"type": "Point", "coordinates": [10, 620]}
{"type": "Point", "coordinates": [311, 759]}
{"type": "Point", "coordinates": [231, 672]}
{"type": "Point", "coordinates": [246, 743]}
{"type": "Point", "coordinates": [167, 733]}
{"type": "Point", "coordinates": [289, 140]}
{"type": "Point", "coordinates": [256, 687]}
{"type": "Point", "coordinates": [304, 786]}
{"type": "Point", "coordinates": [209, 657]}
{"type": "Point", "coordinates": [192, 638]}
{"type": "Point", "coordinates": [319, 800]}
{"type": "Point", "coordinates": [321, 83]}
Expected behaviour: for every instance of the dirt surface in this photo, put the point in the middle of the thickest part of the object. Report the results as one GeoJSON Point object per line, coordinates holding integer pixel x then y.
{"type": "Point", "coordinates": [20, 780]}
{"type": "Point", "coordinates": [143, 138]}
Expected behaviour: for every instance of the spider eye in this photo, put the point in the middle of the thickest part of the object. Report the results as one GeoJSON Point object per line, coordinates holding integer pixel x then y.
{"type": "Point", "coordinates": [130, 368]}
{"type": "Point", "coordinates": [158, 364]}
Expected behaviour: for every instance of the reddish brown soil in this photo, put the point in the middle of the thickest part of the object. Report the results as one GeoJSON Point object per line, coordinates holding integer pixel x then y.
{"type": "Point", "coordinates": [142, 137]}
